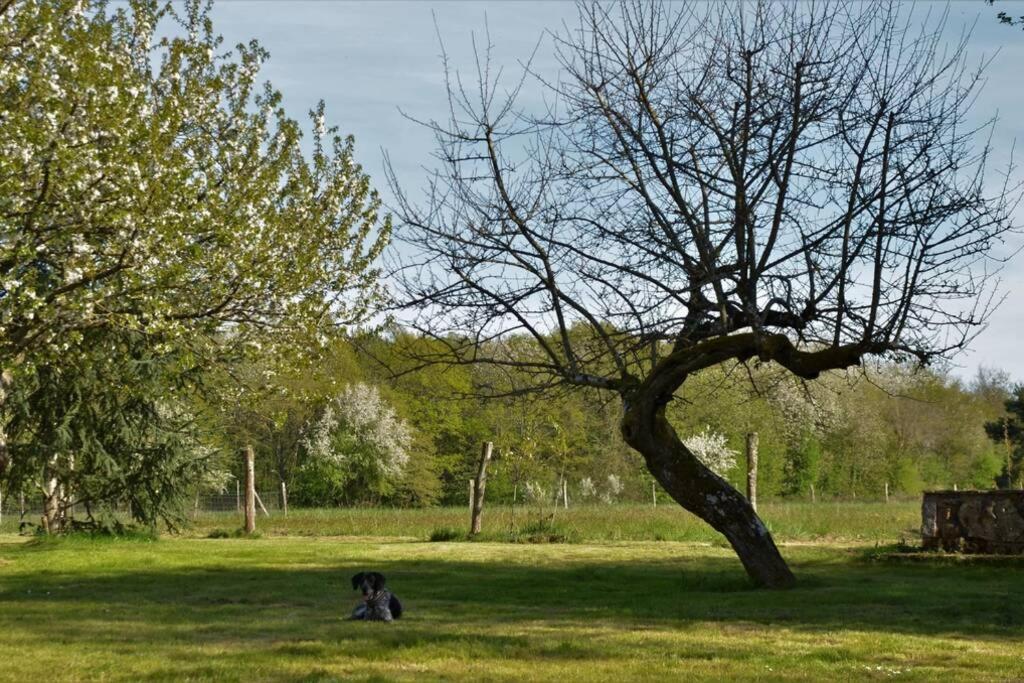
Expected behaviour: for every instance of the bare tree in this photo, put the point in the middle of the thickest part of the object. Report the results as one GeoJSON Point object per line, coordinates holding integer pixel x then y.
{"type": "Point", "coordinates": [710, 183]}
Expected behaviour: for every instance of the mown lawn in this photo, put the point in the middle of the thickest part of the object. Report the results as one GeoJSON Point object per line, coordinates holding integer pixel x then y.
{"type": "Point", "coordinates": [272, 608]}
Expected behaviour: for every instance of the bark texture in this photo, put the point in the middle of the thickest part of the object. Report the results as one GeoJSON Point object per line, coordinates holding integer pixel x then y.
{"type": "Point", "coordinates": [479, 487]}
{"type": "Point", "coordinates": [700, 491]}
{"type": "Point", "coordinates": [249, 457]}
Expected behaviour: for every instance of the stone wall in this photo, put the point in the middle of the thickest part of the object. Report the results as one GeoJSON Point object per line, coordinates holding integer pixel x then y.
{"type": "Point", "coordinates": [973, 521]}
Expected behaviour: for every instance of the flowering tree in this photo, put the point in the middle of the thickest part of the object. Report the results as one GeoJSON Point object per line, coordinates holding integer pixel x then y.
{"type": "Point", "coordinates": [151, 186]}
{"type": "Point", "coordinates": [356, 449]}
{"type": "Point", "coordinates": [159, 188]}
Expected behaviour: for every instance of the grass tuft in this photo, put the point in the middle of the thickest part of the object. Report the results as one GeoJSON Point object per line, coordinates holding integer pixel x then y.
{"type": "Point", "coordinates": [445, 534]}
{"type": "Point", "coordinates": [545, 531]}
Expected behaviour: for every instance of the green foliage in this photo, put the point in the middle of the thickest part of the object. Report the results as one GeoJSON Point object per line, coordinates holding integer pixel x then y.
{"type": "Point", "coordinates": [319, 484]}
{"type": "Point", "coordinates": [1008, 433]}
{"type": "Point", "coordinates": [802, 467]}
{"type": "Point", "coordinates": [985, 470]}
{"type": "Point", "coordinates": [356, 449]}
{"type": "Point", "coordinates": [908, 477]}
{"type": "Point", "coordinates": [847, 434]}
{"type": "Point", "coordinates": [153, 184]}
{"type": "Point", "coordinates": [153, 190]}
{"type": "Point", "coordinates": [111, 431]}
{"type": "Point", "coordinates": [162, 231]}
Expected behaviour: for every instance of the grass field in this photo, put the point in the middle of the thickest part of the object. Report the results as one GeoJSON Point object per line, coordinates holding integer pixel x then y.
{"type": "Point", "coordinates": [788, 521]}
{"type": "Point", "coordinates": [273, 608]}
{"type": "Point", "coordinates": [792, 521]}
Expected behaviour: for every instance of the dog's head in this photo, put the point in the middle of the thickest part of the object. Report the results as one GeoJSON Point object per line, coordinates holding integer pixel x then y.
{"type": "Point", "coordinates": [368, 582]}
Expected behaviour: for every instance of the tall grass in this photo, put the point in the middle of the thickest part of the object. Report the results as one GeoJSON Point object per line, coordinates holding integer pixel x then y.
{"type": "Point", "coordinates": [788, 521]}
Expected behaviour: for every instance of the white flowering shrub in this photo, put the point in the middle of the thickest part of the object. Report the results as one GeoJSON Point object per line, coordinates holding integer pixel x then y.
{"type": "Point", "coordinates": [364, 418]}
{"type": "Point", "coordinates": [587, 488]}
{"type": "Point", "coordinates": [712, 449]}
{"type": "Point", "coordinates": [214, 480]}
{"type": "Point", "coordinates": [535, 492]}
{"type": "Point", "coordinates": [613, 488]}
{"type": "Point", "coordinates": [356, 449]}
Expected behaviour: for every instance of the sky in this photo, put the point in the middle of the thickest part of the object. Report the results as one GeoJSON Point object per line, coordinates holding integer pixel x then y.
{"type": "Point", "coordinates": [372, 61]}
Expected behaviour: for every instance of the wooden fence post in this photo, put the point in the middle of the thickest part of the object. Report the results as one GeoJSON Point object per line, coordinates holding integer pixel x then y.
{"type": "Point", "coordinates": [250, 489]}
{"type": "Point", "coordinates": [260, 502]}
{"type": "Point", "coordinates": [471, 497]}
{"type": "Point", "coordinates": [752, 469]}
{"type": "Point", "coordinates": [284, 498]}
{"type": "Point", "coordinates": [813, 499]}
{"type": "Point", "coordinates": [886, 492]}
{"type": "Point", "coordinates": [480, 485]}
{"type": "Point", "coordinates": [238, 495]}
{"type": "Point", "coordinates": [654, 493]}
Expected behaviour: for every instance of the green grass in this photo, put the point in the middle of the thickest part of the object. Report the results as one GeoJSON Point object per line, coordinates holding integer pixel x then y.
{"type": "Point", "coordinates": [788, 521]}
{"type": "Point", "coordinates": [272, 609]}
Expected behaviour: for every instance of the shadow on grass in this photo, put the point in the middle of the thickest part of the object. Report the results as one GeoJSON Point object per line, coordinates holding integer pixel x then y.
{"type": "Point", "coordinates": [836, 591]}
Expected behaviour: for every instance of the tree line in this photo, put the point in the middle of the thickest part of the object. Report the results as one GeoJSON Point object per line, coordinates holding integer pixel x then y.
{"type": "Point", "coordinates": [845, 436]}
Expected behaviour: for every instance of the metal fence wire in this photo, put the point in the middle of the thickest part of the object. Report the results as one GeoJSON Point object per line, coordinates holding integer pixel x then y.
{"type": "Point", "coordinates": [231, 502]}
{"type": "Point", "coordinates": [31, 507]}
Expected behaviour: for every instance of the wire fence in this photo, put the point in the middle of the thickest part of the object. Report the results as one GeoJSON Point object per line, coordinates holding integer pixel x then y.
{"type": "Point", "coordinates": [233, 502]}
{"type": "Point", "coordinates": [31, 507]}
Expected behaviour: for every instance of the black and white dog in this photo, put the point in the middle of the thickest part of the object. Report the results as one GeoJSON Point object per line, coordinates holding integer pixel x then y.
{"type": "Point", "coordinates": [378, 603]}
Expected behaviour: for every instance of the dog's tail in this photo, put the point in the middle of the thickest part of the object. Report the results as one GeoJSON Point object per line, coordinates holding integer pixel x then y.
{"type": "Point", "coordinates": [395, 606]}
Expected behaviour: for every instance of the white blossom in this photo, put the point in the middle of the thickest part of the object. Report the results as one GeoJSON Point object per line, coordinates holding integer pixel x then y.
{"type": "Point", "coordinates": [613, 487]}
{"type": "Point", "coordinates": [712, 449]}
{"type": "Point", "coordinates": [535, 492]}
{"type": "Point", "coordinates": [360, 411]}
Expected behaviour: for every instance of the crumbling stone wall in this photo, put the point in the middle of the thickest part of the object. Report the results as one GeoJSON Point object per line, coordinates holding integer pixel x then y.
{"type": "Point", "coordinates": [973, 521]}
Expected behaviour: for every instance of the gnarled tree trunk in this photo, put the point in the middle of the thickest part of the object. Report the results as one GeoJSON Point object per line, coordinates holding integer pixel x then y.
{"type": "Point", "coordinates": [704, 493]}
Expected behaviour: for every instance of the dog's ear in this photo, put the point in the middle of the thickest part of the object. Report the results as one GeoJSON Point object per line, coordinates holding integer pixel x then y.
{"type": "Point", "coordinates": [356, 580]}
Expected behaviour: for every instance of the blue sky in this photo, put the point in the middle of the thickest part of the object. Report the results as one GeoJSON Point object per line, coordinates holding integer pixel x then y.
{"type": "Point", "coordinates": [369, 59]}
